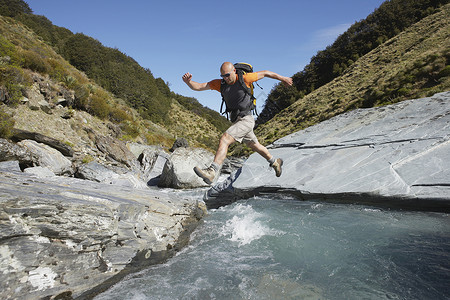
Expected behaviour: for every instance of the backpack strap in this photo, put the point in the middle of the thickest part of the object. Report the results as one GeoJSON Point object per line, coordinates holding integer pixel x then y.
{"type": "Point", "coordinates": [223, 112]}
{"type": "Point", "coordinates": [248, 90]}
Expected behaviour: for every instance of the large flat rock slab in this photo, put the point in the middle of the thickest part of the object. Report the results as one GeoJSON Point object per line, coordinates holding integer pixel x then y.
{"type": "Point", "coordinates": [394, 156]}
{"type": "Point", "coordinates": [64, 237]}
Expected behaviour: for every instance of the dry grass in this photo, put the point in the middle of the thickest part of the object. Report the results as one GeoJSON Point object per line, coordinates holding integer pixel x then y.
{"type": "Point", "coordinates": [410, 65]}
{"type": "Point", "coordinates": [192, 127]}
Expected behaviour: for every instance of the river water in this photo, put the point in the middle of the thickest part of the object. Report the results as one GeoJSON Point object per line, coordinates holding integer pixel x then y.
{"type": "Point", "coordinates": [281, 248]}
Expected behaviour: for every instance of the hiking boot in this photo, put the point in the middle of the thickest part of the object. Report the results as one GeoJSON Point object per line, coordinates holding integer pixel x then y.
{"type": "Point", "coordinates": [277, 166]}
{"type": "Point", "coordinates": [207, 174]}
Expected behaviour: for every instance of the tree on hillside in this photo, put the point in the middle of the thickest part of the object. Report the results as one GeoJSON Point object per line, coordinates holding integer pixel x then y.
{"type": "Point", "coordinates": [12, 8]}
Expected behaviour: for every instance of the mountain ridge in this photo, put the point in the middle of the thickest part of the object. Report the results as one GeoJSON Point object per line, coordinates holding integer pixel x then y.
{"type": "Point", "coordinates": [413, 64]}
{"type": "Point", "coordinates": [387, 21]}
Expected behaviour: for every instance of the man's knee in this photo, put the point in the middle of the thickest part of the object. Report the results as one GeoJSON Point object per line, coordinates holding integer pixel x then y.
{"type": "Point", "coordinates": [227, 139]}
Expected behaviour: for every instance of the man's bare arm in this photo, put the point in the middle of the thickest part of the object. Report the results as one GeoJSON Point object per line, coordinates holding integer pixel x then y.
{"type": "Point", "coordinates": [196, 86]}
{"type": "Point", "coordinates": [273, 75]}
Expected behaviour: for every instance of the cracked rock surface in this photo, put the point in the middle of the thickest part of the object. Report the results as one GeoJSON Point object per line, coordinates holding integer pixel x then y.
{"type": "Point", "coordinates": [68, 238]}
{"type": "Point", "coordinates": [394, 156]}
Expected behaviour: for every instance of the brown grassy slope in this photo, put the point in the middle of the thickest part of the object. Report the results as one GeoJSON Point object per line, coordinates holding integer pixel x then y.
{"type": "Point", "coordinates": [192, 127]}
{"type": "Point", "coordinates": [411, 65]}
{"type": "Point", "coordinates": [28, 50]}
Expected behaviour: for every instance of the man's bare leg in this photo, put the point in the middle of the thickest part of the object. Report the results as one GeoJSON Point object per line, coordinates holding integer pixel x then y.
{"type": "Point", "coordinates": [209, 174]}
{"type": "Point", "coordinates": [225, 141]}
{"type": "Point", "coordinates": [257, 147]}
{"type": "Point", "coordinates": [274, 163]}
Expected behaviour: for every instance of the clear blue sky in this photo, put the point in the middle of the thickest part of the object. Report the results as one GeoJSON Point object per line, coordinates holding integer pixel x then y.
{"type": "Point", "coordinates": [174, 37]}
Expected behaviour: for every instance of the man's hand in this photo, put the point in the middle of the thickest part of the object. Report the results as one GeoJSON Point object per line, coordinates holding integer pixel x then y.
{"type": "Point", "coordinates": [187, 77]}
{"type": "Point", "coordinates": [287, 81]}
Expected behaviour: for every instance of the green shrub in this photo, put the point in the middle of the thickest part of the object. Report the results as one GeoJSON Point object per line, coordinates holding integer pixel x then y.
{"type": "Point", "coordinates": [14, 80]}
{"type": "Point", "coordinates": [69, 81]}
{"type": "Point", "coordinates": [118, 115]}
{"type": "Point", "coordinates": [7, 49]}
{"type": "Point", "coordinates": [403, 91]}
{"type": "Point", "coordinates": [87, 159]}
{"type": "Point", "coordinates": [33, 61]}
{"type": "Point", "coordinates": [445, 72]}
{"type": "Point", "coordinates": [98, 105]}
{"type": "Point", "coordinates": [130, 129]}
{"type": "Point", "coordinates": [58, 71]}
{"type": "Point", "coordinates": [6, 123]}
{"type": "Point", "coordinates": [81, 97]}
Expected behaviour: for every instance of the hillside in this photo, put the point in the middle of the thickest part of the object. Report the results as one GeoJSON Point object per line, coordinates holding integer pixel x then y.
{"type": "Point", "coordinates": [413, 64]}
{"type": "Point", "coordinates": [29, 66]}
{"type": "Point", "coordinates": [119, 76]}
{"type": "Point", "coordinates": [387, 21]}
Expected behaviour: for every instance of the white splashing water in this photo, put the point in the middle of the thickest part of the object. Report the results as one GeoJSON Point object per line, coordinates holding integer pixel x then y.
{"type": "Point", "coordinates": [244, 227]}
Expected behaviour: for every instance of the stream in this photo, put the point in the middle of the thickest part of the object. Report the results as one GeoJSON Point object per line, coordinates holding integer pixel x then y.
{"type": "Point", "coordinates": [280, 248]}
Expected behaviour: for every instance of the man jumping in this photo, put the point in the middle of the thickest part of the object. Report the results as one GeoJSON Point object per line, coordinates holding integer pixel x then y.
{"type": "Point", "coordinates": [238, 102]}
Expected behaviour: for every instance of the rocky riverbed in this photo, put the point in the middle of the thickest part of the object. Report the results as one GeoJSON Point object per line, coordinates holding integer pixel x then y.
{"type": "Point", "coordinates": [73, 237]}
{"type": "Point", "coordinates": [70, 229]}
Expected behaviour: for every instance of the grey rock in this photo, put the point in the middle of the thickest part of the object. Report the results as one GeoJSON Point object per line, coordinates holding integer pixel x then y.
{"type": "Point", "coordinates": [118, 177]}
{"type": "Point", "coordinates": [48, 157]}
{"type": "Point", "coordinates": [232, 164]}
{"type": "Point", "coordinates": [20, 135]}
{"type": "Point", "coordinates": [12, 165]}
{"type": "Point", "coordinates": [34, 96]}
{"type": "Point", "coordinates": [24, 100]}
{"type": "Point", "coordinates": [222, 192]}
{"type": "Point", "coordinates": [64, 237]}
{"type": "Point", "coordinates": [62, 101]}
{"type": "Point", "coordinates": [115, 149]}
{"type": "Point", "coordinates": [179, 169]}
{"type": "Point", "coordinates": [138, 148]}
{"type": "Point", "coordinates": [179, 143]}
{"type": "Point", "coordinates": [45, 107]}
{"type": "Point", "coordinates": [11, 151]}
{"type": "Point", "coordinates": [152, 162]}
{"type": "Point", "coordinates": [394, 156]}
{"type": "Point", "coordinates": [96, 172]}
{"type": "Point", "coordinates": [41, 172]}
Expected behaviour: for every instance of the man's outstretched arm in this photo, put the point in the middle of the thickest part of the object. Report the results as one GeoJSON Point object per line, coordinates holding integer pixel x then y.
{"type": "Point", "coordinates": [270, 74]}
{"type": "Point", "coordinates": [187, 78]}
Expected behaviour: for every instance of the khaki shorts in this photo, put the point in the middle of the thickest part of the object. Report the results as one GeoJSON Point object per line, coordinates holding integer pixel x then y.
{"type": "Point", "coordinates": [242, 129]}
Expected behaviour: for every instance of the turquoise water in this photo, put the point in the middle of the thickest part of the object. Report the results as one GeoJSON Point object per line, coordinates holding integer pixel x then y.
{"type": "Point", "coordinates": [285, 249]}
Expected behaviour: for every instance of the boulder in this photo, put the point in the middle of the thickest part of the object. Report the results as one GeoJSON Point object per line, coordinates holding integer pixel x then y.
{"type": "Point", "coordinates": [41, 172]}
{"type": "Point", "coordinates": [48, 157]}
{"type": "Point", "coordinates": [152, 162]}
{"type": "Point", "coordinates": [96, 172]}
{"type": "Point", "coordinates": [34, 96]}
{"type": "Point", "coordinates": [65, 238]}
{"type": "Point", "coordinates": [151, 159]}
{"type": "Point", "coordinates": [396, 156]}
{"type": "Point", "coordinates": [118, 177]}
{"type": "Point", "coordinates": [232, 164]}
{"type": "Point", "coordinates": [20, 135]}
{"type": "Point", "coordinates": [45, 107]}
{"type": "Point", "coordinates": [178, 171]}
{"type": "Point", "coordinates": [12, 152]}
{"type": "Point", "coordinates": [115, 149]}
{"type": "Point", "coordinates": [138, 148]}
{"type": "Point", "coordinates": [179, 142]}
{"type": "Point", "coordinates": [10, 166]}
